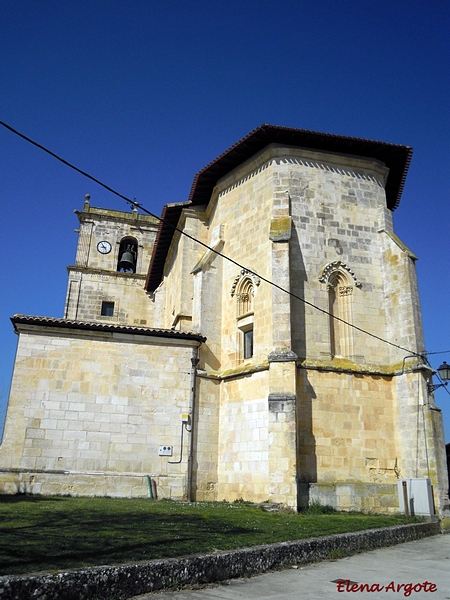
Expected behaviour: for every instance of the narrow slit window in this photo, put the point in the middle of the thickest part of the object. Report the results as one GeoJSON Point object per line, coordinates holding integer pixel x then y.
{"type": "Point", "coordinates": [107, 309]}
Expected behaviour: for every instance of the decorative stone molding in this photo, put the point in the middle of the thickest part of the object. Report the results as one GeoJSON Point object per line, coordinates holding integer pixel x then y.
{"type": "Point", "coordinates": [242, 297]}
{"type": "Point", "coordinates": [245, 178]}
{"type": "Point", "coordinates": [356, 168]}
{"type": "Point", "coordinates": [338, 265]}
{"type": "Point", "coordinates": [242, 275]}
{"type": "Point", "coordinates": [345, 290]}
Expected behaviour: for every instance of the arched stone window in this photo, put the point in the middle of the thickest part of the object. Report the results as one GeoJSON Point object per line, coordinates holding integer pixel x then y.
{"type": "Point", "coordinates": [243, 290]}
{"type": "Point", "coordinates": [340, 307]}
{"type": "Point", "coordinates": [128, 252]}
{"type": "Point", "coordinates": [244, 297]}
{"type": "Point", "coordinates": [340, 281]}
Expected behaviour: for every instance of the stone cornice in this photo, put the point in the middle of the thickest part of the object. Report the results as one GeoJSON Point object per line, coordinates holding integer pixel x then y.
{"type": "Point", "coordinates": [103, 214]}
{"type": "Point", "coordinates": [342, 164]}
{"type": "Point", "coordinates": [94, 271]}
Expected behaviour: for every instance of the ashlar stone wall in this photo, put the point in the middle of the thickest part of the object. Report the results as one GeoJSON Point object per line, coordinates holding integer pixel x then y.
{"type": "Point", "coordinates": [89, 409]}
{"type": "Point", "coordinates": [346, 428]}
{"type": "Point", "coordinates": [338, 208]}
{"type": "Point", "coordinates": [244, 439]}
{"type": "Point", "coordinates": [178, 282]}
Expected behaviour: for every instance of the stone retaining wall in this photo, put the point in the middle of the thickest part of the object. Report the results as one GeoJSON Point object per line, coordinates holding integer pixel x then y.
{"type": "Point", "coordinates": [124, 581]}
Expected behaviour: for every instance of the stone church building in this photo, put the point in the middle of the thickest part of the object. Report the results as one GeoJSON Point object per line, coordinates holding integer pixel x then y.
{"type": "Point", "coordinates": [177, 363]}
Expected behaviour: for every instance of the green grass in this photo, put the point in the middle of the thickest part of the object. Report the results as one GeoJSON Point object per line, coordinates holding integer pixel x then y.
{"type": "Point", "coordinates": [39, 533]}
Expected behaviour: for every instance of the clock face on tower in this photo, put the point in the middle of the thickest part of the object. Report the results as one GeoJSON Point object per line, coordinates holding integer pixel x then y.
{"type": "Point", "coordinates": [104, 247]}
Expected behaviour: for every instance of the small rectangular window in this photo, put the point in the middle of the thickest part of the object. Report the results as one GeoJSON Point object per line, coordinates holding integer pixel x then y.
{"type": "Point", "coordinates": [248, 343]}
{"type": "Point", "coordinates": [107, 309]}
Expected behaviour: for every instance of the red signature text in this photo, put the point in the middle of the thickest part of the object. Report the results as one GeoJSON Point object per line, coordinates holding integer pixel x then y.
{"type": "Point", "coordinates": [345, 585]}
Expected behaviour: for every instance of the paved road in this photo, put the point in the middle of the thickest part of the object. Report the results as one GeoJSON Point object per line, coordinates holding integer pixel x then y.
{"type": "Point", "coordinates": [427, 560]}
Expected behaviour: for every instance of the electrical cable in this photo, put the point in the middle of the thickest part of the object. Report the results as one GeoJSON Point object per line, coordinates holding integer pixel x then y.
{"type": "Point", "coordinates": [175, 228]}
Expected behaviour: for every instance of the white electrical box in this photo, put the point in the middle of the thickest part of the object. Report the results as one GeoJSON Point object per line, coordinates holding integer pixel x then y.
{"type": "Point", "coordinates": [165, 451]}
{"type": "Point", "coordinates": [418, 494]}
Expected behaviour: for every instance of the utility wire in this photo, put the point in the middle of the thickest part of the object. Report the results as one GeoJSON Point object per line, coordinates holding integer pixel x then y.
{"type": "Point", "coordinates": [68, 163]}
{"type": "Point", "coordinates": [138, 205]}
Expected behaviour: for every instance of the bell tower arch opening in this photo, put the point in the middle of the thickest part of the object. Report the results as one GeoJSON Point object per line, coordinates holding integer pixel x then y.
{"type": "Point", "coordinates": [128, 251]}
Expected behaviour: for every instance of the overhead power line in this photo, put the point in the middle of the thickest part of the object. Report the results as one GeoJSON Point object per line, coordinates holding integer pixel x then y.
{"type": "Point", "coordinates": [142, 208]}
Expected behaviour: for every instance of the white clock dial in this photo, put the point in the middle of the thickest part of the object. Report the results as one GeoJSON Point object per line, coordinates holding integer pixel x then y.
{"type": "Point", "coordinates": [104, 247]}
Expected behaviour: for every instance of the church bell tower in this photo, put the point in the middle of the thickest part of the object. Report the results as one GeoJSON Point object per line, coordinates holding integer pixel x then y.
{"type": "Point", "coordinates": [106, 284]}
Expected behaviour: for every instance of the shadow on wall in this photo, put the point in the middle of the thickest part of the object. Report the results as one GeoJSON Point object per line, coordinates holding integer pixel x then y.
{"type": "Point", "coordinates": [306, 444]}
{"type": "Point", "coordinates": [298, 279]}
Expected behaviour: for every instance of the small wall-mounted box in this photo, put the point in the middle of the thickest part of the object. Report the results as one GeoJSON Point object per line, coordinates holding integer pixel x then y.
{"type": "Point", "coordinates": [185, 418]}
{"type": "Point", "coordinates": [165, 451]}
{"type": "Point", "coordinates": [418, 494]}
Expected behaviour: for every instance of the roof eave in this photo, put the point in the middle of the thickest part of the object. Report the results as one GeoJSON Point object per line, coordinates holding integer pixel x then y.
{"type": "Point", "coordinates": [396, 157]}
{"type": "Point", "coordinates": [106, 327]}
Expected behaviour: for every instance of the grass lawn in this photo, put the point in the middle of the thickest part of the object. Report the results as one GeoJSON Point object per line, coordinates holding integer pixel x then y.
{"type": "Point", "coordinates": [46, 533]}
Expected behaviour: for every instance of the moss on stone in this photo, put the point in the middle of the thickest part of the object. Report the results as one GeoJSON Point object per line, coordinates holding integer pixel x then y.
{"type": "Point", "coordinates": [244, 369]}
{"type": "Point", "coordinates": [280, 228]}
{"type": "Point", "coordinates": [346, 365]}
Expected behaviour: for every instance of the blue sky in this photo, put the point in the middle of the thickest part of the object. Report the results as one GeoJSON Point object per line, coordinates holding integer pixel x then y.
{"type": "Point", "coordinates": [144, 94]}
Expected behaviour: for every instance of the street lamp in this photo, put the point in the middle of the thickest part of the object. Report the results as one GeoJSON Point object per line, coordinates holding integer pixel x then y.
{"type": "Point", "coordinates": [444, 374]}
{"type": "Point", "coordinates": [444, 371]}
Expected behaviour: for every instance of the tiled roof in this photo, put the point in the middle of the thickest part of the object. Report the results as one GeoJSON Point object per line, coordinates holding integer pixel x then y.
{"type": "Point", "coordinates": [394, 156]}
{"type": "Point", "coordinates": [95, 326]}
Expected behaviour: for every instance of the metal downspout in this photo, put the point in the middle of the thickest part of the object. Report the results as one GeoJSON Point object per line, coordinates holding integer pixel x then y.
{"type": "Point", "coordinates": [192, 410]}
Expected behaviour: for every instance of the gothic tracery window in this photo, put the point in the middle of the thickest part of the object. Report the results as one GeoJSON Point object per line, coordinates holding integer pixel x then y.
{"type": "Point", "coordinates": [244, 297]}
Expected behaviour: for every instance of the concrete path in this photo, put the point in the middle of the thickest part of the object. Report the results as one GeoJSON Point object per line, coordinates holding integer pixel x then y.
{"type": "Point", "coordinates": [427, 560]}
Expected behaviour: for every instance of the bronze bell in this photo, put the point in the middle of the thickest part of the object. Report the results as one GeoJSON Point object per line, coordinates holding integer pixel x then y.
{"type": "Point", "coordinates": [128, 260]}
